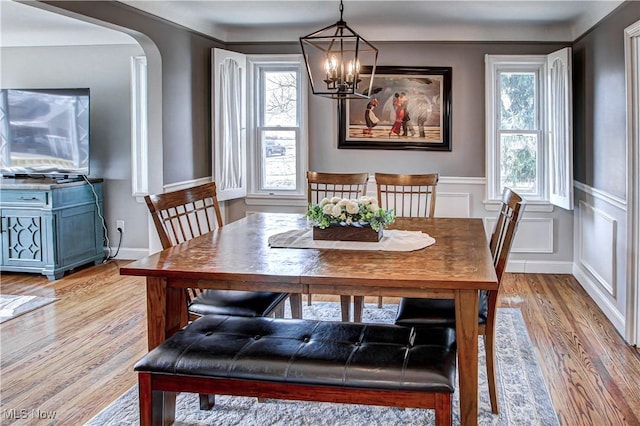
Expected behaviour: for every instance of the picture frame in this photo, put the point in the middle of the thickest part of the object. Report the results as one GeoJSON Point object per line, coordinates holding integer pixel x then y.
{"type": "Point", "coordinates": [424, 96]}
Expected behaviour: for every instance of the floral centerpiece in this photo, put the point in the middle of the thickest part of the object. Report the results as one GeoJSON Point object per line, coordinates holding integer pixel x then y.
{"type": "Point", "coordinates": [349, 220]}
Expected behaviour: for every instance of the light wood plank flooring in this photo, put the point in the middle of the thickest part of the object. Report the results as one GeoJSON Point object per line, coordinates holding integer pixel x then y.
{"type": "Point", "coordinates": [76, 356]}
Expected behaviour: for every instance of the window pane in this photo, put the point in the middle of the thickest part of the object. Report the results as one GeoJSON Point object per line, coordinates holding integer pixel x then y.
{"type": "Point", "coordinates": [519, 162]}
{"type": "Point", "coordinates": [280, 98]}
{"type": "Point", "coordinates": [279, 159]}
{"type": "Point", "coordinates": [518, 101]}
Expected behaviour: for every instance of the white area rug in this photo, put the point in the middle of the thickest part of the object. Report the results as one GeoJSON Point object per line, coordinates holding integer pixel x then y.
{"type": "Point", "coordinates": [12, 306]}
{"type": "Point", "coordinates": [524, 399]}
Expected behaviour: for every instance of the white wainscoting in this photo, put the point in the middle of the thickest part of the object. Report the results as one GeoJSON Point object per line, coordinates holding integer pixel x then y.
{"type": "Point", "coordinates": [453, 204]}
{"type": "Point", "coordinates": [600, 234]}
{"type": "Point", "coordinates": [535, 249]}
{"type": "Point", "coordinates": [534, 235]}
{"type": "Point", "coordinates": [597, 245]}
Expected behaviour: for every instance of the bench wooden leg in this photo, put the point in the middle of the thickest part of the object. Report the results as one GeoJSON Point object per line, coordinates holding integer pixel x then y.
{"type": "Point", "coordinates": [146, 402]}
{"type": "Point", "coordinates": [156, 408]}
{"type": "Point", "coordinates": [207, 402]}
{"type": "Point", "coordinates": [443, 409]}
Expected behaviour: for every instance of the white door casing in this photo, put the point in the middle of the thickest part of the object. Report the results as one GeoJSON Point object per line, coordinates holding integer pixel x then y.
{"type": "Point", "coordinates": [632, 70]}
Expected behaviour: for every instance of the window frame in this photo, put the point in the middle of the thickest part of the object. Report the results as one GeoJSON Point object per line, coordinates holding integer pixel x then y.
{"type": "Point", "coordinates": [494, 66]}
{"type": "Point", "coordinates": [556, 115]}
{"type": "Point", "coordinates": [257, 65]}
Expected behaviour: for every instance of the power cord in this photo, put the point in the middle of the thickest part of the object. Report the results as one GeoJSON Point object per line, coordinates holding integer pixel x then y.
{"type": "Point", "coordinates": [119, 244]}
{"type": "Point", "coordinates": [104, 226]}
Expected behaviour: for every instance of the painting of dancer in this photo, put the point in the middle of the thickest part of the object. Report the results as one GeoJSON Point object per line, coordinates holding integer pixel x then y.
{"type": "Point", "coordinates": [408, 108]}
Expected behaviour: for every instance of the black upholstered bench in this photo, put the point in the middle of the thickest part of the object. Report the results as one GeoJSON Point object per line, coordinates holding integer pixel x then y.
{"type": "Point", "coordinates": [375, 364]}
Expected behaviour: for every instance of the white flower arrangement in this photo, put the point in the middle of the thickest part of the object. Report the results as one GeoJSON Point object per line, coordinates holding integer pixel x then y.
{"type": "Point", "coordinates": [362, 212]}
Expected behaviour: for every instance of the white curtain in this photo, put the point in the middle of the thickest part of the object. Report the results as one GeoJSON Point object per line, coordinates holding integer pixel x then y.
{"type": "Point", "coordinates": [558, 145]}
{"type": "Point", "coordinates": [230, 123]}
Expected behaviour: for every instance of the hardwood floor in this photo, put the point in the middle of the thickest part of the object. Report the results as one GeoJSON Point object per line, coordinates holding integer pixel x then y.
{"type": "Point", "coordinates": [75, 356]}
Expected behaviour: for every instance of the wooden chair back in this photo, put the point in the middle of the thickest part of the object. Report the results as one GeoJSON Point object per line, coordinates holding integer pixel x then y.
{"type": "Point", "coordinates": [343, 185]}
{"type": "Point", "coordinates": [182, 215]}
{"type": "Point", "coordinates": [408, 195]}
{"type": "Point", "coordinates": [505, 229]}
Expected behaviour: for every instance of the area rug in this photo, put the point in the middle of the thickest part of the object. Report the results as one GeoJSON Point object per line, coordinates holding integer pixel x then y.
{"type": "Point", "coordinates": [524, 399]}
{"type": "Point", "coordinates": [12, 306]}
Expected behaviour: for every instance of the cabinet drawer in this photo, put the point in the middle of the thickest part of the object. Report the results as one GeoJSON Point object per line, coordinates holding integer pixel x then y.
{"type": "Point", "coordinates": [25, 198]}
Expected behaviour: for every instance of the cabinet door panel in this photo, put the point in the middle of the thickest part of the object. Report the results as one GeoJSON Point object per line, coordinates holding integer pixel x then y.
{"type": "Point", "coordinates": [22, 238]}
{"type": "Point", "coordinates": [77, 239]}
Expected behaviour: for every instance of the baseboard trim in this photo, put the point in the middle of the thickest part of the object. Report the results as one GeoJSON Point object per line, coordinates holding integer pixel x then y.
{"type": "Point", "coordinates": [592, 288]}
{"type": "Point", "coordinates": [539, 267]}
{"type": "Point", "coordinates": [129, 253]}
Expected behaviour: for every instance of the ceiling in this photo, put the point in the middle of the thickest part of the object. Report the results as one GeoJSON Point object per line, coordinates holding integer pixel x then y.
{"type": "Point", "coordinates": [286, 20]}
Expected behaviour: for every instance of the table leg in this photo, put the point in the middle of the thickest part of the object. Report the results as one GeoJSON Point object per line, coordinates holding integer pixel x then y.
{"type": "Point", "coordinates": [156, 302]}
{"type": "Point", "coordinates": [467, 342]}
{"type": "Point", "coordinates": [166, 310]}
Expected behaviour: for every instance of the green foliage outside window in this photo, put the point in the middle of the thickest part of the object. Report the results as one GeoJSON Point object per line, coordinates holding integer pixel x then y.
{"type": "Point", "coordinates": [518, 161]}
{"type": "Point", "coordinates": [518, 112]}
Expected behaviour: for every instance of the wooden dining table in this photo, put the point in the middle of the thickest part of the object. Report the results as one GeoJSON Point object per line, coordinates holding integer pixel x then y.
{"type": "Point", "coordinates": [238, 257]}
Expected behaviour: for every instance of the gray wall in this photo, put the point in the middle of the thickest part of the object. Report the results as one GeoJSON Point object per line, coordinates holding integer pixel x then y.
{"type": "Point", "coordinates": [105, 70]}
{"type": "Point", "coordinates": [179, 103]}
{"type": "Point", "coordinates": [185, 101]}
{"type": "Point", "coordinates": [467, 157]}
{"type": "Point", "coordinates": [185, 61]}
{"type": "Point", "coordinates": [468, 149]}
{"type": "Point", "coordinates": [600, 159]}
{"type": "Point", "coordinates": [600, 166]}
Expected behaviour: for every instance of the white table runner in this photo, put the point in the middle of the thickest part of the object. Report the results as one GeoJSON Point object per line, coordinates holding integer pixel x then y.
{"type": "Point", "coordinates": [392, 240]}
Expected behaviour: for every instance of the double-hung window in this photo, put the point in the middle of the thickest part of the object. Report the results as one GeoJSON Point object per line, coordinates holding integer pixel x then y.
{"type": "Point", "coordinates": [528, 126]}
{"type": "Point", "coordinates": [277, 136]}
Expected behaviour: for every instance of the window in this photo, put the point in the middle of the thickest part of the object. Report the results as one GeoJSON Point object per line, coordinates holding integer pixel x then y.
{"type": "Point", "coordinates": [277, 136]}
{"type": "Point", "coordinates": [528, 127]}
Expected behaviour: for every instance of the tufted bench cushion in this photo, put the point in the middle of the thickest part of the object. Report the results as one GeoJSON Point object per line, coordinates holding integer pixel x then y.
{"type": "Point", "coordinates": [290, 357]}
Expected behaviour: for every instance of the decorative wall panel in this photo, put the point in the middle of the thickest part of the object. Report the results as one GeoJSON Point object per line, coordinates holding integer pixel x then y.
{"type": "Point", "coordinates": [597, 245]}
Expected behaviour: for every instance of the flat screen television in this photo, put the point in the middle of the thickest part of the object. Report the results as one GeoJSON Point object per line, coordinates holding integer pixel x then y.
{"type": "Point", "coordinates": [44, 132]}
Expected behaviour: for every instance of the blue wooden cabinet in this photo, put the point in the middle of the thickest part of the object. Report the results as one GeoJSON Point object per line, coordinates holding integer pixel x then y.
{"type": "Point", "coordinates": [48, 227]}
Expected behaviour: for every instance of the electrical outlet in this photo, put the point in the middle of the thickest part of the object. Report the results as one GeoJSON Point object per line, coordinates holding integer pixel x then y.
{"type": "Point", "coordinates": [120, 225]}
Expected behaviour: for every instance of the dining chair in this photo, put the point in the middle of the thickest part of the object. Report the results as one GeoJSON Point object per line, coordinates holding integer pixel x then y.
{"type": "Point", "coordinates": [185, 214]}
{"type": "Point", "coordinates": [344, 185]}
{"type": "Point", "coordinates": [408, 196]}
{"type": "Point", "coordinates": [181, 215]}
{"type": "Point", "coordinates": [438, 312]}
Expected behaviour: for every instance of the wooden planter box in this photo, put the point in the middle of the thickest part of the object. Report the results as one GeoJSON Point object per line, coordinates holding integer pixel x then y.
{"type": "Point", "coordinates": [347, 233]}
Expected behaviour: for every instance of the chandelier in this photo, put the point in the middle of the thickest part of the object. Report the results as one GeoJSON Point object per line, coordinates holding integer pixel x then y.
{"type": "Point", "coordinates": [335, 56]}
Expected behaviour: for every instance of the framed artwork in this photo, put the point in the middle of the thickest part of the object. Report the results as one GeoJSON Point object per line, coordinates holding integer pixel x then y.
{"type": "Point", "coordinates": [409, 108]}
